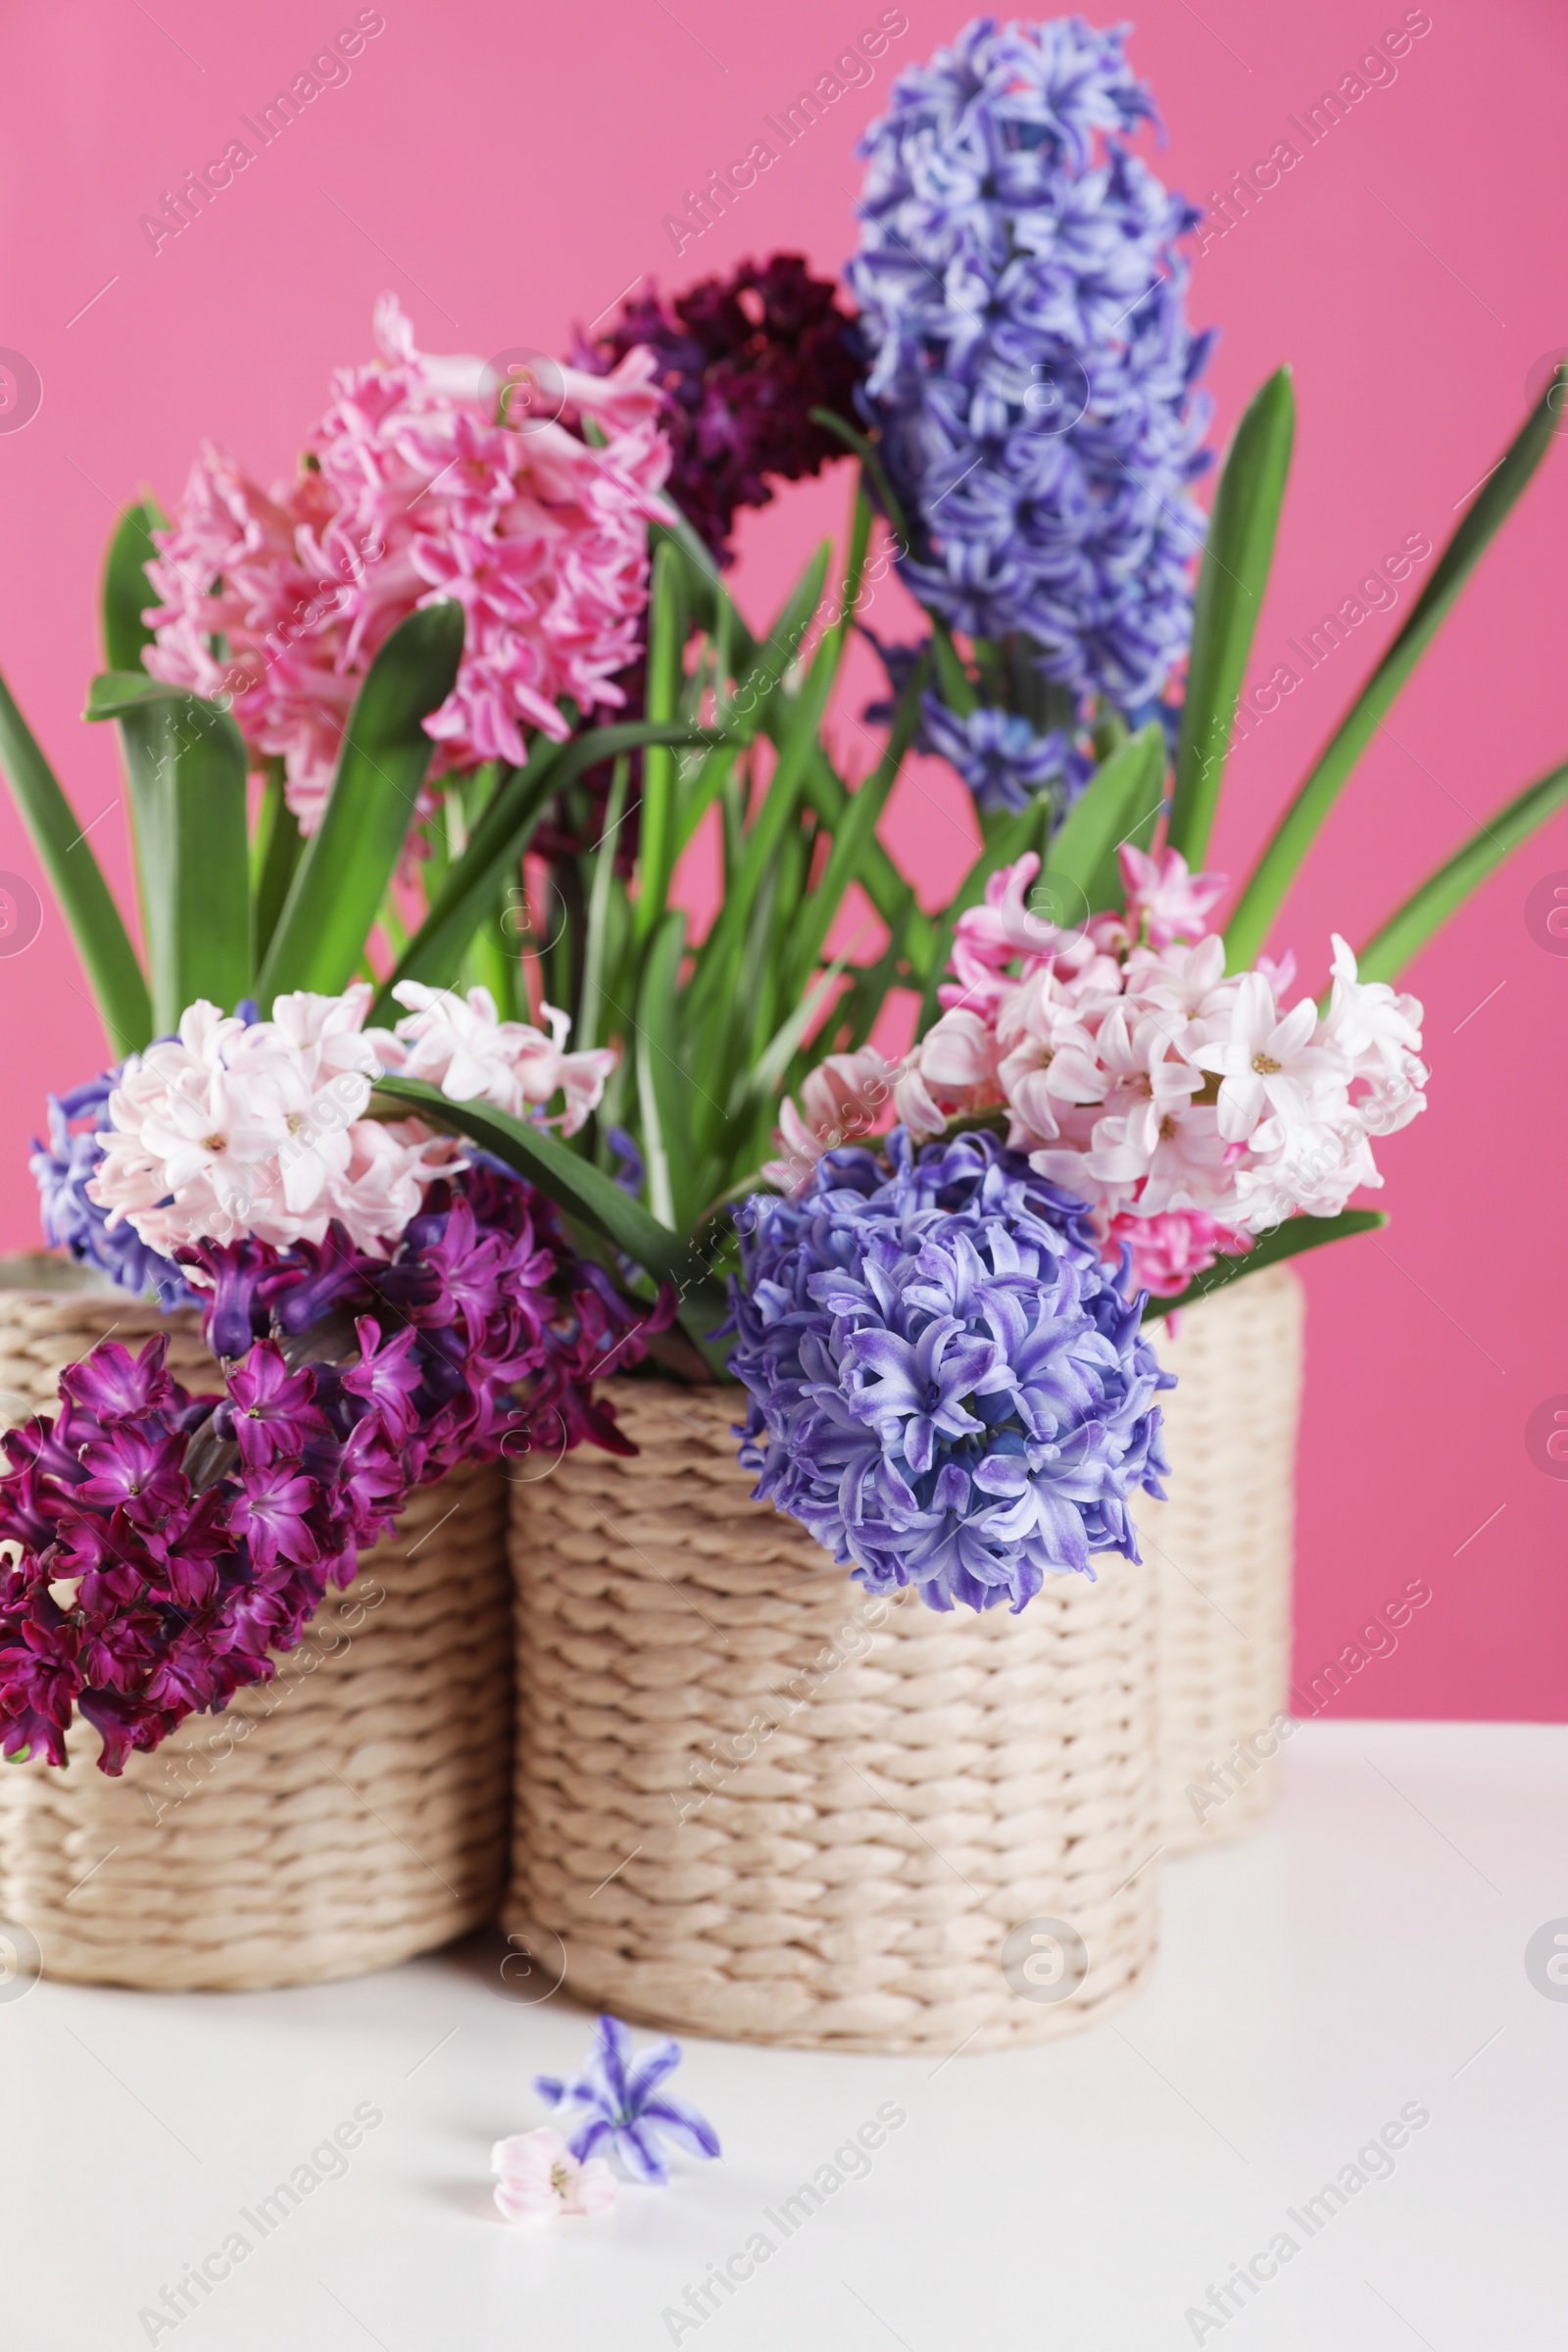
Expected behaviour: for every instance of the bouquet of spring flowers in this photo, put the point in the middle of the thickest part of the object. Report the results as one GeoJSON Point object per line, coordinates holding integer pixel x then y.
{"type": "Point", "coordinates": [1034, 424]}
{"type": "Point", "coordinates": [452, 1106]}
{"type": "Point", "coordinates": [347, 708]}
{"type": "Point", "coordinates": [327, 698]}
{"type": "Point", "coordinates": [1114, 1100]}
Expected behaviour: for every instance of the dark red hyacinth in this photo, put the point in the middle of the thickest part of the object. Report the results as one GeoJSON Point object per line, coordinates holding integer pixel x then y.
{"type": "Point", "coordinates": [743, 361]}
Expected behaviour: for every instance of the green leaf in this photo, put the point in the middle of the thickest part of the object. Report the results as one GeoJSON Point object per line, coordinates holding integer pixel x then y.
{"type": "Point", "coordinates": [1427, 909]}
{"type": "Point", "coordinates": [1248, 927]}
{"type": "Point", "coordinates": [1119, 800]}
{"type": "Point", "coordinates": [663, 1089]}
{"type": "Point", "coordinates": [666, 646]}
{"type": "Point", "coordinates": [65, 854]}
{"type": "Point", "coordinates": [186, 766]}
{"type": "Point", "coordinates": [779, 647]}
{"type": "Point", "coordinates": [599, 945]}
{"type": "Point", "coordinates": [712, 607]}
{"type": "Point", "coordinates": [275, 854]}
{"type": "Point", "coordinates": [763, 840]}
{"type": "Point", "coordinates": [1236, 555]}
{"type": "Point", "coordinates": [956, 691]}
{"type": "Point", "coordinates": [761, 1078]}
{"type": "Point", "coordinates": [851, 841]}
{"type": "Point", "coordinates": [871, 458]}
{"type": "Point", "coordinates": [350, 857]}
{"type": "Point", "coordinates": [886, 888]}
{"type": "Point", "coordinates": [574, 1184]}
{"type": "Point", "coordinates": [500, 838]}
{"type": "Point", "coordinates": [1286, 1240]}
{"type": "Point", "coordinates": [115, 692]}
{"type": "Point", "coordinates": [127, 592]}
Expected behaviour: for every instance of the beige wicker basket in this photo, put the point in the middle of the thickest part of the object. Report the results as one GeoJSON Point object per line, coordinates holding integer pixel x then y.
{"type": "Point", "coordinates": [754, 1802]}
{"type": "Point", "coordinates": [1221, 1548]}
{"type": "Point", "coordinates": [343, 1817]}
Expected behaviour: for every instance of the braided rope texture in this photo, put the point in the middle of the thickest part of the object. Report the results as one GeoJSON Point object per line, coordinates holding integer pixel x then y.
{"type": "Point", "coordinates": [754, 1802]}
{"type": "Point", "coordinates": [1221, 1548]}
{"type": "Point", "coordinates": [345, 1816]}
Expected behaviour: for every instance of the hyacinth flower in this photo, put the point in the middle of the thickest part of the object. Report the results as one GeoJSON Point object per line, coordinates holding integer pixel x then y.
{"type": "Point", "coordinates": [1185, 1108]}
{"type": "Point", "coordinates": [169, 1546]}
{"type": "Point", "coordinates": [619, 2103]}
{"type": "Point", "coordinates": [1031, 383]}
{"type": "Point", "coordinates": [538, 2179]}
{"type": "Point", "coordinates": [422, 481]}
{"type": "Point", "coordinates": [947, 1387]}
{"type": "Point", "coordinates": [73, 1221]}
{"type": "Point", "coordinates": [741, 363]}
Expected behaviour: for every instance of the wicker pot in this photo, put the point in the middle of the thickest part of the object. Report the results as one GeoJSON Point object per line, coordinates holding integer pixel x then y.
{"type": "Point", "coordinates": [340, 1818]}
{"type": "Point", "coordinates": [754, 1802]}
{"type": "Point", "coordinates": [1221, 1548]}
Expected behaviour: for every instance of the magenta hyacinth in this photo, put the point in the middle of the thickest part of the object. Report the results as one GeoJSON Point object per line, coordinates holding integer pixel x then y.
{"type": "Point", "coordinates": [200, 1534]}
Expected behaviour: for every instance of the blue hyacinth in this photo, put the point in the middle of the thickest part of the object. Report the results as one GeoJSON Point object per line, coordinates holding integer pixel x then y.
{"type": "Point", "coordinates": [1000, 757]}
{"type": "Point", "coordinates": [72, 1222]}
{"type": "Point", "coordinates": [947, 1387]}
{"type": "Point", "coordinates": [1022, 299]}
{"type": "Point", "coordinates": [619, 2103]}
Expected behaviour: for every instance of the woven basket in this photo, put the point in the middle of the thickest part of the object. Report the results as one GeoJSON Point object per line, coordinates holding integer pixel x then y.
{"type": "Point", "coordinates": [754, 1802]}
{"type": "Point", "coordinates": [1221, 1548]}
{"type": "Point", "coordinates": [342, 1817]}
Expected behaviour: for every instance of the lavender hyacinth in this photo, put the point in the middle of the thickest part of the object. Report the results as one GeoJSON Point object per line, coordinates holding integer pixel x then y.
{"type": "Point", "coordinates": [947, 1389]}
{"type": "Point", "coordinates": [74, 1223]}
{"type": "Point", "coordinates": [1021, 296]}
{"type": "Point", "coordinates": [1000, 757]}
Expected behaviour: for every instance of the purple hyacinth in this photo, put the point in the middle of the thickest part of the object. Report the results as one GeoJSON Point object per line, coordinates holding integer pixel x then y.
{"type": "Point", "coordinates": [618, 2102]}
{"type": "Point", "coordinates": [1021, 296]}
{"type": "Point", "coordinates": [947, 1389]}
{"type": "Point", "coordinates": [62, 1171]}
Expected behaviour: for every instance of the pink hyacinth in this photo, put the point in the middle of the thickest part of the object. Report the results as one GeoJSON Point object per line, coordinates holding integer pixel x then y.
{"type": "Point", "coordinates": [1170, 1248]}
{"type": "Point", "coordinates": [1186, 1106]}
{"type": "Point", "coordinates": [538, 2179]}
{"type": "Point", "coordinates": [267, 1129]}
{"type": "Point", "coordinates": [415, 487]}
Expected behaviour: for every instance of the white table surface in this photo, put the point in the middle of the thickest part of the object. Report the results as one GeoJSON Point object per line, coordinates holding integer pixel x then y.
{"type": "Point", "coordinates": [1363, 1953]}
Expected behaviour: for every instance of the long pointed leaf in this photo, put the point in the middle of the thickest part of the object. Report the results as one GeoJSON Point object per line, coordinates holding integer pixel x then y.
{"type": "Point", "coordinates": [667, 644]}
{"type": "Point", "coordinates": [1237, 556]}
{"type": "Point", "coordinates": [65, 854]}
{"type": "Point", "coordinates": [574, 1183]}
{"type": "Point", "coordinates": [1427, 909]}
{"type": "Point", "coordinates": [127, 592]}
{"type": "Point", "coordinates": [711, 604]}
{"type": "Point", "coordinates": [502, 835]}
{"type": "Point", "coordinates": [663, 1089]}
{"type": "Point", "coordinates": [598, 948]}
{"type": "Point", "coordinates": [351, 857]}
{"type": "Point", "coordinates": [886, 888]}
{"type": "Point", "coordinates": [853, 841]}
{"type": "Point", "coordinates": [765, 836]}
{"type": "Point", "coordinates": [1289, 1240]}
{"type": "Point", "coordinates": [185, 767]}
{"type": "Point", "coordinates": [1115, 801]}
{"type": "Point", "coordinates": [1248, 926]}
{"type": "Point", "coordinates": [275, 854]}
{"type": "Point", "coordinates": [871, 463]}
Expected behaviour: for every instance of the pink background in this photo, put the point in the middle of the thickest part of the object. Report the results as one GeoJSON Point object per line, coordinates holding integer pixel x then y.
{"type": "Point", "coordinates": [506, 172]}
